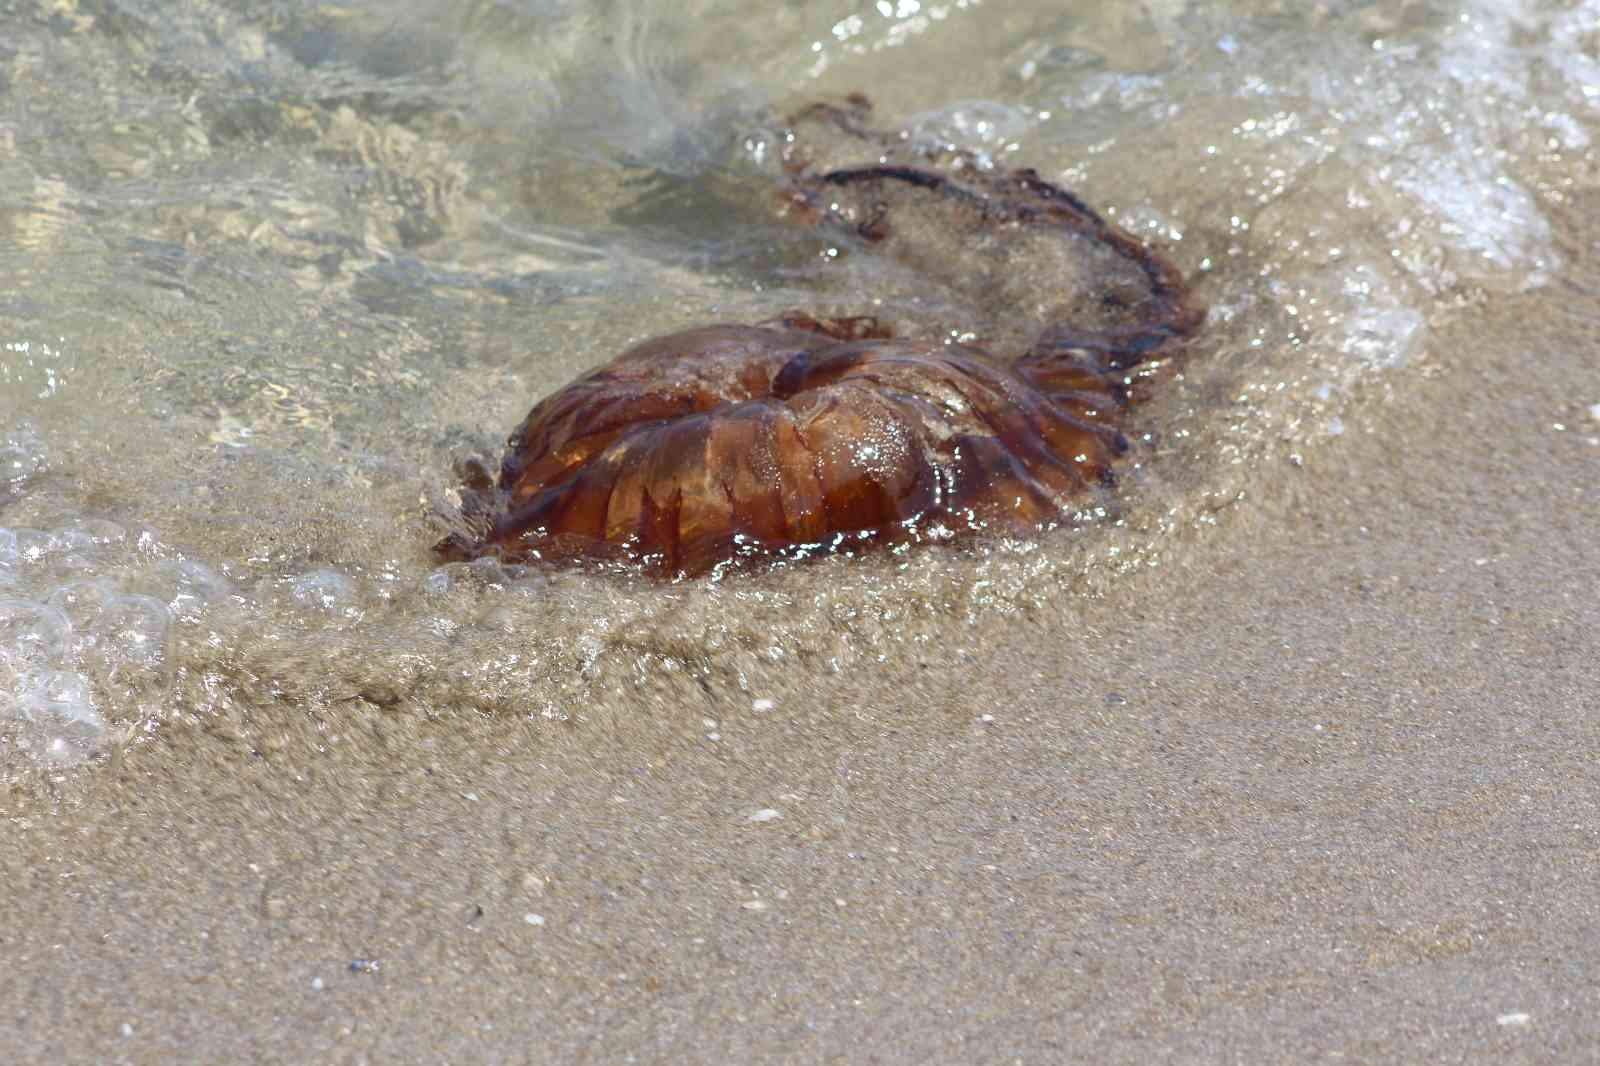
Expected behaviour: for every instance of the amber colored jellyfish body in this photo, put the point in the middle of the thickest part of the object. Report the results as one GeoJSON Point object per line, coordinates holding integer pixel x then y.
{"type": "Point", "coordinates": [806, 436]}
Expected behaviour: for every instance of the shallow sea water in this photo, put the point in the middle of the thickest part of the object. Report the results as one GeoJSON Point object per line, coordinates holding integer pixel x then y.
{"type": "Point", "coordinates": [268, 272]}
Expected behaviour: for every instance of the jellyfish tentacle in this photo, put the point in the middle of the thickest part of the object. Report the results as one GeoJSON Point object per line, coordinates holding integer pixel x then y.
{"type": "Point", "coordinates": [1172, 313]}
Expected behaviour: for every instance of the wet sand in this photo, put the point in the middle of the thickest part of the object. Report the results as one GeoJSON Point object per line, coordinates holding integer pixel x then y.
{"type": "Point", "coordinates": [1324, 787]}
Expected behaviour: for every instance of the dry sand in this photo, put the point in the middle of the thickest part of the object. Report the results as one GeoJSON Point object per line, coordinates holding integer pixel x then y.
{"type": "Point", "coordinates": [1324, 788]}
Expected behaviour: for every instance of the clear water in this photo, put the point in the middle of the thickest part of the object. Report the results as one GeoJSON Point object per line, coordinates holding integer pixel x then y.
{"type": "Point", "coordinates": [267, 271]}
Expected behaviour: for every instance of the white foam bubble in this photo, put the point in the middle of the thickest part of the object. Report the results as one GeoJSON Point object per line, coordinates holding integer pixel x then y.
{"type": "Point", "coordinates": [188, 587]}
{"type": "Point", "coordinates": [130, 639]}
{"type": "Point", "coordinates": [327, 590]}
{"type": "Point", "coordinates": [1482, 212]}
{"type": "Point", "coordinates": [60, 724]}
{"type": "Point", "coordinates": [33, 546]}
{"type": "Point", "coordinates": [93, 533]}
{"type": "Point", "coordinates": [1382, 337]}
{"type": "Point", "coordinates": [32, 634]}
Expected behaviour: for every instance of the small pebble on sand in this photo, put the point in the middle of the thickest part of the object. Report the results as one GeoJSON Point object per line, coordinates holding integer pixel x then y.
{"type": "Point", "coordinates": [533, 919]}
{"type": "Point", "coordinates": [765, 814]}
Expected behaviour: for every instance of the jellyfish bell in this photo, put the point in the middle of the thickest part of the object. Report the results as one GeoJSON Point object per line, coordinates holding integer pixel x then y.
{"type": "Point", "coordinates": [726, 441]}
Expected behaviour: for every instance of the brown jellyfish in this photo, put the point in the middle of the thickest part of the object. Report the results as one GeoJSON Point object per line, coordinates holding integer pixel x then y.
{"type": "Point", "coordinates": [808, 435]}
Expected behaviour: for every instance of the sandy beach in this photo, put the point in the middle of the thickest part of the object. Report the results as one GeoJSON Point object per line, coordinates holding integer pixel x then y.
{"type": "Point", "coordinates": [1286, 753]}
{"type": "Point", "coordinates": [1324, 791]}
